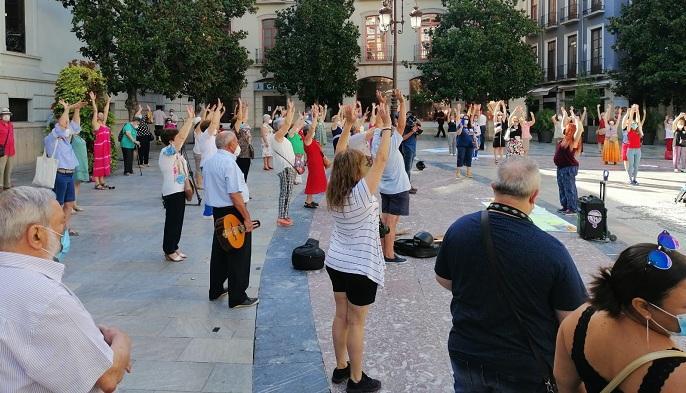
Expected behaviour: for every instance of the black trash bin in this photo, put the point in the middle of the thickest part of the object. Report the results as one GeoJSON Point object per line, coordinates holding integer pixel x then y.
{"type": "Point", "coordinates": [592, 218]}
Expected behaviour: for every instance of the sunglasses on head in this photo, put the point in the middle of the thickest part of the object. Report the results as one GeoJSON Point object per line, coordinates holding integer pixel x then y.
{"type": "Point", "coordinates": [659, 258]}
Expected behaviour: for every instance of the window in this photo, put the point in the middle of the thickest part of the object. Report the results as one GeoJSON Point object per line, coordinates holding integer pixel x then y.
{"type": "Point", "coordinates": [429, 24]}
{"type": "Point", "coordinates": [20, 109]}
{"type": "Point", "coordinates": [15, 28]}
{"type": "Point", "coordinates": [534, 9]}
{"type": "Point", "coordinates": [597, 51]}
{"type": "Point", "coordinates": [268, 36]}
{"type": "Point", "coordinates": [552, 12]}
{"type": "Point", "coordinates": [375, 47]}
{"type": "Point", "coordinates": [572, 9]}
{"type": "Point", "coordinates": [571, 56]}
{"type": "Point", "coordinates": [534, 52]}
{"type": "Point", "coordinates": [550, 60]}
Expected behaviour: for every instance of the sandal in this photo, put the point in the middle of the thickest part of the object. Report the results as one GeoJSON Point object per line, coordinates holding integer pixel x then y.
{"type": "Point", "coordinates": [173, 257]}
{"type": "Point", "coordinates": [182, 255]}
{"type": "Point", "coordinates": [310, 205]}
{"type": "Point", "coordinates": [73, 233]}
{"type": "Point", "coordinates": [100, 187]}
{"type": "Point", "coordinates": [77, 208]}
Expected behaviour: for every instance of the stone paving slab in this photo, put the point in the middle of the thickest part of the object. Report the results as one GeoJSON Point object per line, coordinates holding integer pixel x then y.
{"type": "Point", "coordinates": [181, 341]}
{"type": "Point", "coordinates": [408, 326]}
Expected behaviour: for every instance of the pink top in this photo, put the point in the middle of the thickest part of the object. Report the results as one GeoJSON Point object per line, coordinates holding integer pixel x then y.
{"type": "Point", "coordinates": [526, 130]}
{"type": "Point", "coordinates": [7, 133]}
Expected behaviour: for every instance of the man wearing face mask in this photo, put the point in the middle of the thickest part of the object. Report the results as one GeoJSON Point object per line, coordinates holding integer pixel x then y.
{"type": "Point", "coordinates": [227, 192]}
{"type": "Point", "coordinates": [6, 148]}
{"type": "Point", "coordinates": [489, 349]}
{"type": "Point", "coordinates": [48, 341]}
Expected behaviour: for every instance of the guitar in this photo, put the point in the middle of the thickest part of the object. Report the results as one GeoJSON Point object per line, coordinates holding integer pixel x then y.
{"type": "Point", "coordinates": [231, 231]}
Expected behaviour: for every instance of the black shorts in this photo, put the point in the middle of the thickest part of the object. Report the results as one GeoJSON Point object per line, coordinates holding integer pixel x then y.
{"type": "Point", "coordinates": [359, 289]}
{"type": "Point", "coordinates": [396, 204]}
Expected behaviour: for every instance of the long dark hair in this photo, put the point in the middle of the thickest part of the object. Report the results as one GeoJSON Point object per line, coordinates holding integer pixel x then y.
{"type": "Point", "coordinates": [631, 277]}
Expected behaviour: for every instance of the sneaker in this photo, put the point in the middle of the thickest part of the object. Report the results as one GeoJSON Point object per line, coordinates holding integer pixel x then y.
{"type": "Point", "coordinates": [341, 374]}
{"type": "Point", "coordinates": [282, 222]}
{"type": "Point", "coordinates": [569, 212]}
{"type": "Point", "coordinates": [248, 302]}
{"type": "Point", "coordinates": [676, 171]}
{"type": "Point", "coordinates": [395, 259]}
{"type": "Point", "coordinates": [365, 385]}
{"type": "Point", "coordinates": [635, 182]}
{"type": "Point", "coordinates": [561, 210]}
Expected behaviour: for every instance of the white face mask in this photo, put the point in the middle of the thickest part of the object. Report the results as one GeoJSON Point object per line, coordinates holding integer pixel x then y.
{"type": "Point", "coordinates": [237, 152]}
{"type": "Point", "coordinates": [6, 118]}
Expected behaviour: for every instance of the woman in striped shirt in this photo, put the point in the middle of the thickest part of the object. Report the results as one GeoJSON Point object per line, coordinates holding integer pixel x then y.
{"type": "Point", "coordinates": [355, 260]}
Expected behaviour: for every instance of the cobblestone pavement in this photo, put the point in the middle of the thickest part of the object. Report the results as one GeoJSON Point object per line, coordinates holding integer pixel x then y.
{"type": "Point", "coordinates": [406, 341]}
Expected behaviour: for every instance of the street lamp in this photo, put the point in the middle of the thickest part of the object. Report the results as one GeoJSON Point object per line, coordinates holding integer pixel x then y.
{"type": "Point", "coordinates": [388, 20]}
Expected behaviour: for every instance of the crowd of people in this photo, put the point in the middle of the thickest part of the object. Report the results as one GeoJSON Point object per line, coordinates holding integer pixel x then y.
{"type": "Point", "coordinates": [505, 336]}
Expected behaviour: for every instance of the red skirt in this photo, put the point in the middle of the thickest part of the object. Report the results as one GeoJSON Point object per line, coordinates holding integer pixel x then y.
{"type": "Point", "coordinates": [316, 173]}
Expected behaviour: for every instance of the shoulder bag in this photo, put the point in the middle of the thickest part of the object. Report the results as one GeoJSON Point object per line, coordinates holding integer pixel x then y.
{"type": "Point", "coordinates": [298, 166]}
{"type": "Point", "coordinates": [545, 367]}
{"type": "Point", "coordinates": [631, 367]}
{"type": "Point", "coordinates": [46, 168]}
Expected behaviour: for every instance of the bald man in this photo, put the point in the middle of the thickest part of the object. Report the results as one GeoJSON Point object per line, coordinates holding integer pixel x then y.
{"type": "Point", "coordinates": [227, 192]}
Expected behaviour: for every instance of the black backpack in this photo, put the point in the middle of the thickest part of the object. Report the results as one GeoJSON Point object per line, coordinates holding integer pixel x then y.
{"type": "Point", "coordinates": [121, 133]}
{"type": "Point", "coordinates": [308, 256]}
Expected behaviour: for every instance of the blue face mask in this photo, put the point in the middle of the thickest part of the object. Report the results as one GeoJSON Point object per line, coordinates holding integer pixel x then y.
{"type": "Point", "coordinates": [65, 245]}
{"type": "Point", "coordinates": [634, 125]}
{"type": "Point", "coordinates": [681, 319]}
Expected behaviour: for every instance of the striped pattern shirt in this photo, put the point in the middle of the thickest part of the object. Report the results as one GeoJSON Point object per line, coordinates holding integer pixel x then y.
{"type": "Point", "coordinates": [48, 341]}
{"type": "Point", "coordinates": [355, 245]}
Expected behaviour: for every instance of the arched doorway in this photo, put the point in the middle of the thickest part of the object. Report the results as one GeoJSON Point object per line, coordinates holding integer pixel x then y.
{"type": "Point", "coordinates": [420, 104]}
{"type": "Point", "coordinates": [367, 87]}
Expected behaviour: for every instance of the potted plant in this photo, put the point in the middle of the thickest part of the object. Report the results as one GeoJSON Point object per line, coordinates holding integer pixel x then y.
{"type": "Point", "coordinates": [544, 126]}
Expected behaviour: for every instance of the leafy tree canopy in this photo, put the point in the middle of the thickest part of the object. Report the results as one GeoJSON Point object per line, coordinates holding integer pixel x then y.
{"type": "Point", "coordinates": [477, 52]}
{"type": "Point", "coordinates": [170, 47]}
{"type": "Point", "coordinates": [316, 51]}
{"type": "Point", "coordinates": [651, 40]}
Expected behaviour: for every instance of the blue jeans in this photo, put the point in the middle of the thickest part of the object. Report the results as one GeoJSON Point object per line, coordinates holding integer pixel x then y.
{"type": "Point", "coordinates": [634, 158]}
{"type": "Point", "coordinates": [476, 378]}
{"type": "Point", "coordinates": [408, 157]}
{"type": "Point", "coordinates": [64, 188]}
{"type": "Point", "coordinates": [464, 156]}
{"type": "Point", "coordinates": [566, 184]}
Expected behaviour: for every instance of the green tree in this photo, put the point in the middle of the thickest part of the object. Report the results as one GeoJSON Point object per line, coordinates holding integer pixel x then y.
{"type": "Point", "coordinates": [586, 96]}
{"type": "Point", "coordinates": [170, 47]}
{"type": "Point", "coordinates": [477, 52]}
{"type": "Point", "coordinates": [316, 51]}
{"type": "Point", "coordinates": [72, 85]}
{"type": "Point", "coordinates": [651, 41]}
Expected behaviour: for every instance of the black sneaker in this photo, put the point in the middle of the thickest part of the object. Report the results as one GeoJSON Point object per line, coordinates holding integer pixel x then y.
{"type": "Point", "coordinates": [341, 374]}
{"type": "Point", "coordinates": [366, 385]}
{"type": "Point", "coordinates": [395, 259]}
{"type": "Point", "coordinates": [248, 302]}
{"type": "Point", "coordinates": [561, 210]}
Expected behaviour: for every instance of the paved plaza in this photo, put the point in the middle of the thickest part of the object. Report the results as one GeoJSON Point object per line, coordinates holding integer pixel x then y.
{"type": "Point", "coordinates": [184, 343]}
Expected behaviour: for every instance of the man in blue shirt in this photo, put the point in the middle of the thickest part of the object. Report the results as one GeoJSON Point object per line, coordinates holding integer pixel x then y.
{"type": "Point", "coordinates": [58, 146]}
{"type": "Point", "coordinates": [227, 193]}
{"type": "Point", "coordinates": [489, 350]}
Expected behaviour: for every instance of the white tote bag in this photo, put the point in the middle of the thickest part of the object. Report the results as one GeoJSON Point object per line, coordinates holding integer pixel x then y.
{"type": "Point", "coordinates": [46, 169]}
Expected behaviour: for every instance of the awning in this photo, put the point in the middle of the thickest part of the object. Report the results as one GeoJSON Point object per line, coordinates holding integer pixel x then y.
{"type": "Point", "coordinates": [541, 91]}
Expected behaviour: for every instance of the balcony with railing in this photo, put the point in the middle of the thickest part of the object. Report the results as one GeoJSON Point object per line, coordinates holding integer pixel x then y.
{"type": "Point", "coordinates": [421, 52]}
{"type": "Point", "coordinates": [592, 7]}
{"type": "Point", "coordinates": [380, 53]}
{"type": "Point", "coordinates": [570, 14]}
{"type": "Point", "coordinates": [595, 66]}
{"type": "Point", "coordinates": [260, 56]}
{"type": "Point", "coordinates": [550, 20]}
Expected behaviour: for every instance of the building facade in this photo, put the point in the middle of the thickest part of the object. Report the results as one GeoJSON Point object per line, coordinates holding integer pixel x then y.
{"type": "Point", "coordinates": [375, 67]}
{"type": "Point", "coordinates": [573, 47]}
{"type": "Point", "coordinates": [36, 42]}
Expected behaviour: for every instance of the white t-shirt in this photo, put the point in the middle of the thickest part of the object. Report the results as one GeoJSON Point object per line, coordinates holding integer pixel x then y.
{"type": "Point", "coordinates": [355, 246]}
{"type": "Point", "coordinates": [669, 134]}
{"type": "Point", "coordinates": [394, 179]}
{"type": "Point", "coordinates": [482, 120]}
{"type": "Point", "coordinates": [284, 157]}
{"type": "Point", "coordinates": [359, 142]}
{"type": "Point", "coordinates": [158, 117]}
{"type": "Point", "coordinates": [174, 170]}
{"type": "Point", "coordinates": [208, 145]}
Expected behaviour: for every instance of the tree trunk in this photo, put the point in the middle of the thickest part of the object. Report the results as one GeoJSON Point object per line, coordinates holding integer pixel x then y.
{"type": "Point", "coordinates": [131, 102]}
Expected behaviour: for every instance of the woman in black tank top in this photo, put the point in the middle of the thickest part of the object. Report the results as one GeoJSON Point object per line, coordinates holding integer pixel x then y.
{"type": "Point", "coordinates": [634, 309]}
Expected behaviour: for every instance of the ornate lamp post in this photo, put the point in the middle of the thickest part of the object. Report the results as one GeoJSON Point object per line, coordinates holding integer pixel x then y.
{"type": "Point", "coordinates": [388, 20]}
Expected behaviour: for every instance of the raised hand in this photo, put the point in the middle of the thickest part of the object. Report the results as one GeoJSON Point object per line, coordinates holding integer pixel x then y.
{"type": "Point", "coordinates": [380, 98]}
{"type": "Point", "coordinates": [92, 96]}
{"type": "Point", "coordinates": [64, 104]}
{"type": "Point", "coordinates": [385, 116]}
{"type": "Point", "coordinates": [398, 95]}
{"type": "Point", "coordinates": [349, 113]}
{"type": "Point", "coordinates": [190, 111]}
{"type": "Point", "coordinates": [147, 107]}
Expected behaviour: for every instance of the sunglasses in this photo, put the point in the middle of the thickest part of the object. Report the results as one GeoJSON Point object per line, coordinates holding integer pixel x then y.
{"type": "Point", "coordinates": [659, 258]}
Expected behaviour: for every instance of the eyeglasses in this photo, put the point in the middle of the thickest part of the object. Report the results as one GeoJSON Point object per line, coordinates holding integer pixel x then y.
{"type": "Point", "coordinates": [659, 258]}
